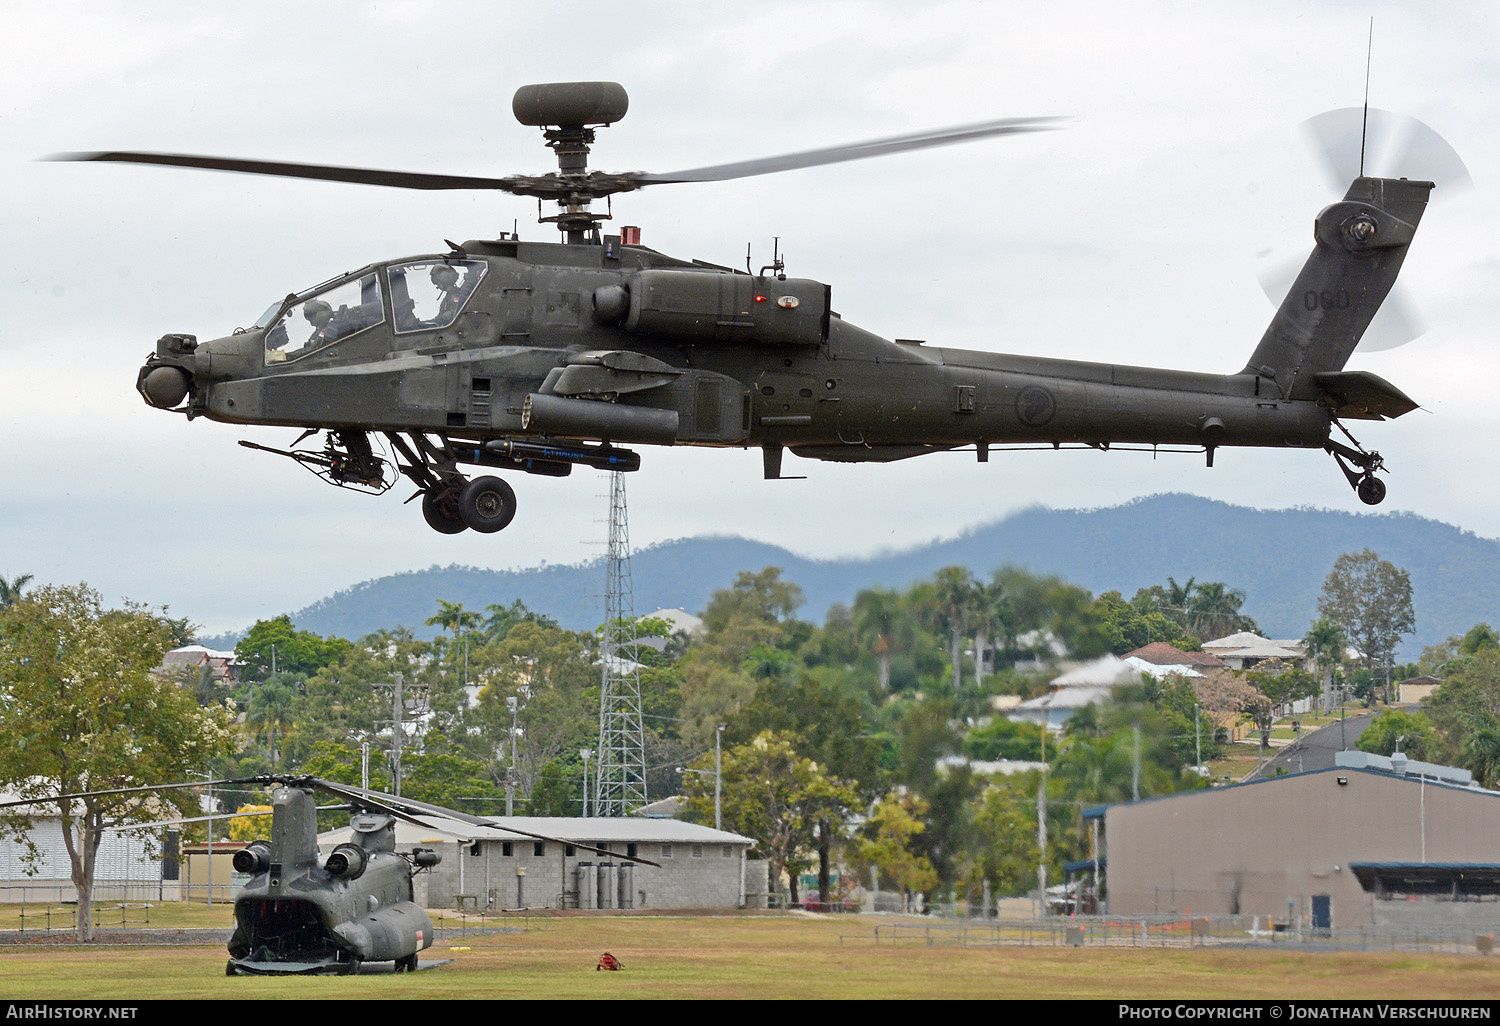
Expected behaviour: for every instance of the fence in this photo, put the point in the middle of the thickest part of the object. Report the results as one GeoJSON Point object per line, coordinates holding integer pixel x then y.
{"type": "Point", "coordinates": [456, 923]}
{"type": "Point", "coordinates": [1164, 932]}
{"type": "Point", "coordinates": [49, 917]}
{"type": "Point", "coordinates": [59, 892]}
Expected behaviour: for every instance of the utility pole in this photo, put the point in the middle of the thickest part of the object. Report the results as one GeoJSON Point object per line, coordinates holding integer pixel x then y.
{"type": "Point", "coordinates": [1135, 767]}
{"type": "Point", "coordinates": [718, 777]}
{"type": "Point", "coordinates": [510, 769]}
{"type": "Point", "coordinates": [1197, 740]}
{"type": "Point", "coordinates": [586, 754]}
{"type": "Point", "coordinates": [405, 700]}
{"type": "Point", "coordinates": [1041, 826]}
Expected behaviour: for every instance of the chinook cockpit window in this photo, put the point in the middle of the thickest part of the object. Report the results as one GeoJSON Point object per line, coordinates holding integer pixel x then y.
{"type": "Point", "coordinates": [322, 318]}
{"type": "Point", "coordinates": [428, 294]}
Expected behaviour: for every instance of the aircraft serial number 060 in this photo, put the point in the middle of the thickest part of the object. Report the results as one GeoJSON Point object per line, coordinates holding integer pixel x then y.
{"type": "Point", "coordinates": [1327, 299]}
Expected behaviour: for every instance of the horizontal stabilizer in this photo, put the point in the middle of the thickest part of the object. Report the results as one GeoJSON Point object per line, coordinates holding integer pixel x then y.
{"type": "Point", "coordinates": [1360, 395]}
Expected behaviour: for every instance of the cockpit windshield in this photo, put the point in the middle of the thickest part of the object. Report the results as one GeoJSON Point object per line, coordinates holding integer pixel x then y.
{"type": "Point", "coordinates": [427, 294]}
{"type": "Point", "coordinates": [341, 310]}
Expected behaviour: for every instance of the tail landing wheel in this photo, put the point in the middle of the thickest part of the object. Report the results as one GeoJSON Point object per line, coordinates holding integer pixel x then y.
{"type": "Point", "coordinates": [1371, 490]}
{"type": "Point", "coordinates": [1359, 468]}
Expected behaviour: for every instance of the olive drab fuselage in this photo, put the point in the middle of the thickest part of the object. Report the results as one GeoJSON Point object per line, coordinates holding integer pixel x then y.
{"type": "Point", "coordinates": [538, 356]}
{"type": "Point", "coordinates": [301, 913]}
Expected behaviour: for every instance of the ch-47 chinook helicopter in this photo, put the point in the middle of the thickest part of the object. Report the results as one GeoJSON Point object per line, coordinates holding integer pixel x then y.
{"type": "Point", "coordinates": [535, 357]}
{"type": "Point", "coordinates": [300, 913]}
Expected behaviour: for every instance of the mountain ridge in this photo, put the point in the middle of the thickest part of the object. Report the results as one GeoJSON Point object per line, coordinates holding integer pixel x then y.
{"type": "Point", "coordinates": [1279, 558]}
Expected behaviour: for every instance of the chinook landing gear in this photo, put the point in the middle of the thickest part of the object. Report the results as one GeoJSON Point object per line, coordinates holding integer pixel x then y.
{"type": "Point", "coordinates": [1359, 468]}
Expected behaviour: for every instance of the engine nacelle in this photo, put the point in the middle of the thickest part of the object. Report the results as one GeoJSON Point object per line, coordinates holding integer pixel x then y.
{"type": "Point", "coordinates": [253, 858]}
{"type": "Point", "coordinates": [347, 862]}
{"type": "Point", "coordinates": [721, 306]}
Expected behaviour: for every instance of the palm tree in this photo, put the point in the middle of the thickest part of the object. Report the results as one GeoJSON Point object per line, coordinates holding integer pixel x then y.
{"type": "Point", "coordinates": [1325, 647]}
{"type": "Point", "coordinates": [1214, 611]}
{"type": "Point", "coordinates": [955, 590]}
{"type": "Point", "coordinates": [271, 707]}
{"type": "Point", "coordinates": [1481, 749]}
{"type": "Point", "coordinates": [880, 619]}
{"type": "Point", "coordinates": [991, 609]}
{"type": "Point", "coordinates": [10, 590]}
{"type": "Point", "coordinates": [1177, 599]}
{"type": "Point", "coordinates": [453, 616]}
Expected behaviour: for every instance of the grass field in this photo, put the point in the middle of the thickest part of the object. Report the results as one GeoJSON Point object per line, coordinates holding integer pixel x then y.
{"type": "Point", "coordinates": [759, 957]}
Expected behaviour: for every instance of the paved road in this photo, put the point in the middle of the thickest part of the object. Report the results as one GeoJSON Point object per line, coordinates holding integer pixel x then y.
{"type": "Point", "coordinates": [1315, 749]}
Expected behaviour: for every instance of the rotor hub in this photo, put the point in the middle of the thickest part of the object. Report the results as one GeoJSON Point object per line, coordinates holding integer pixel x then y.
{"type": "Point", "coordinates": [567, 113]}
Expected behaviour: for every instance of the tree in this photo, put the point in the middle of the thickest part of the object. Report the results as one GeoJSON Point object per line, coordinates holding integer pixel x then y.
{"type": "Point", "coordinates": [250, 822]}
{"type": "Point", "coordinates": [1005, 833]}
{"type": "Point", "coordinates": [84, 711]}
{"type": "Point", "coordinates": [890, 830]}
{"type": "Point", "coordinates": [1213, 611]}
{"type": "Point", "coordinates": [502, 618]}
{"type": "Point", "coordinates": [753, 614]}
{"type": "Point", "coordinates": [553, 675]}
{"type": "Point", "coordinates": [1325, 647]}
{"type": "Point", "coordinates": [772, 793]}
{"type": "Point", "coordinates": [1126, 628]}
{"type": "Point", "coordinates": [954, 591]}
{"type": "Point", "coordinates": [826, 724]}
{"type": "Point", "coordinates": [272, 708]}
{"type": "Point", "coordinates": [882, 623]}
{"type": "Point", "coordinates": [1370, 599]}
{"type": "Point", "coordinates": [453, 616]}
{"type": "Point", "coordinates": [10, 590]}
{"type": "Point", "coordinates": [1409, 733]}
{"type": "Point", "coordinates": [273, 646]}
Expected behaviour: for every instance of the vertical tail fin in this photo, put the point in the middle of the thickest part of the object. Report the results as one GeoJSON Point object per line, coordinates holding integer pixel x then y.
{"type": "Point", "coordinates": [1361, 242]}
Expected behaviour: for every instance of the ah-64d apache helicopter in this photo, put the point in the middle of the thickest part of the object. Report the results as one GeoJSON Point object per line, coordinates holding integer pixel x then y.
{"type": "Point", "coordinates": [299, 913]}
{"type": "Point", "coordinates": [535, 357]}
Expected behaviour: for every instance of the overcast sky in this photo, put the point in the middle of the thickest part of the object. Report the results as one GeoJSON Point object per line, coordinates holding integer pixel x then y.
{"type": "Point", "coordinates": [1135, 236]}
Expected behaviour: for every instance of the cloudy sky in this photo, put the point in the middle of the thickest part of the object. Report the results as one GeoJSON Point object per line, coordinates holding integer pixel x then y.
{"type": "Point", "coordinates": [1135, 236]}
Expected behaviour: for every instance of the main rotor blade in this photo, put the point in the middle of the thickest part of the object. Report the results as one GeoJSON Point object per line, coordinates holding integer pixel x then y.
{"type": "Point", "coordinates": [134, 790]}
{"type": "Point", "coordinates": [282, 169]}
{"type": "Point", "coordinates": [854, 151]}
{"type": "Point", "coordinates": [407, 809]}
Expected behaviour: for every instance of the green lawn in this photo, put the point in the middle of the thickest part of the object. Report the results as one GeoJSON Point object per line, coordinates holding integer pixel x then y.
{"type": "Point", "coordinates": [759, 956]}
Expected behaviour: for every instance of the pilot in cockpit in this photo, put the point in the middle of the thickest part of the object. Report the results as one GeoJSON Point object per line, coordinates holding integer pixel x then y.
{"type": "Point", "coordinates": [320, 315]}
{"type": "Point", "coordinates": [445, 279]}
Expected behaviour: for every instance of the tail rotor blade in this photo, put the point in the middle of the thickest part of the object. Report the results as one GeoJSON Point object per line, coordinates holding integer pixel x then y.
{"type": "Point", "coordinates": [1392, 145]}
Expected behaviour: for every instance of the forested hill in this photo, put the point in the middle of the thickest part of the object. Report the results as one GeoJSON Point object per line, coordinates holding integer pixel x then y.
{"type": "Point", "coordinates": [1277, 557]}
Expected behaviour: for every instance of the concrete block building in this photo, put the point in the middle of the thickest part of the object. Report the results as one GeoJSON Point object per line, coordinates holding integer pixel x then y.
{"type": "Point", "coordinates": [487, 867]}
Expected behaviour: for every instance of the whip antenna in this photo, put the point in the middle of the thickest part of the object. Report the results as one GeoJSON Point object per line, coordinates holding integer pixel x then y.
{"type": "Point", "coordinates": [1364, 126]}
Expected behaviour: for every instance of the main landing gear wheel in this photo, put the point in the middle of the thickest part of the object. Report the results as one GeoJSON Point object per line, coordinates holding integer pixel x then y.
{"type": "Point", "coordinates": [440, 509]}
{"type": "Point", "coordinates": [1371, 490]}
{"type": "Point", "coordinates": [487, 504]}
{"type": "Point", "coordinates": [407, 964]}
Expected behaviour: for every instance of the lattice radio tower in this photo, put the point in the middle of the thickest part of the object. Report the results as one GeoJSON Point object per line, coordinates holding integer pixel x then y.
{"type": "Point", "coordinates": [620, 782]}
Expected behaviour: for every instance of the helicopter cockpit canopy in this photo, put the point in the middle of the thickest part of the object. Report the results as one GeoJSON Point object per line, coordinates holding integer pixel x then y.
{"type": "Point", "coordinates": [429, 293]}
{"type": "Point", "coordinates": [323, 316]}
